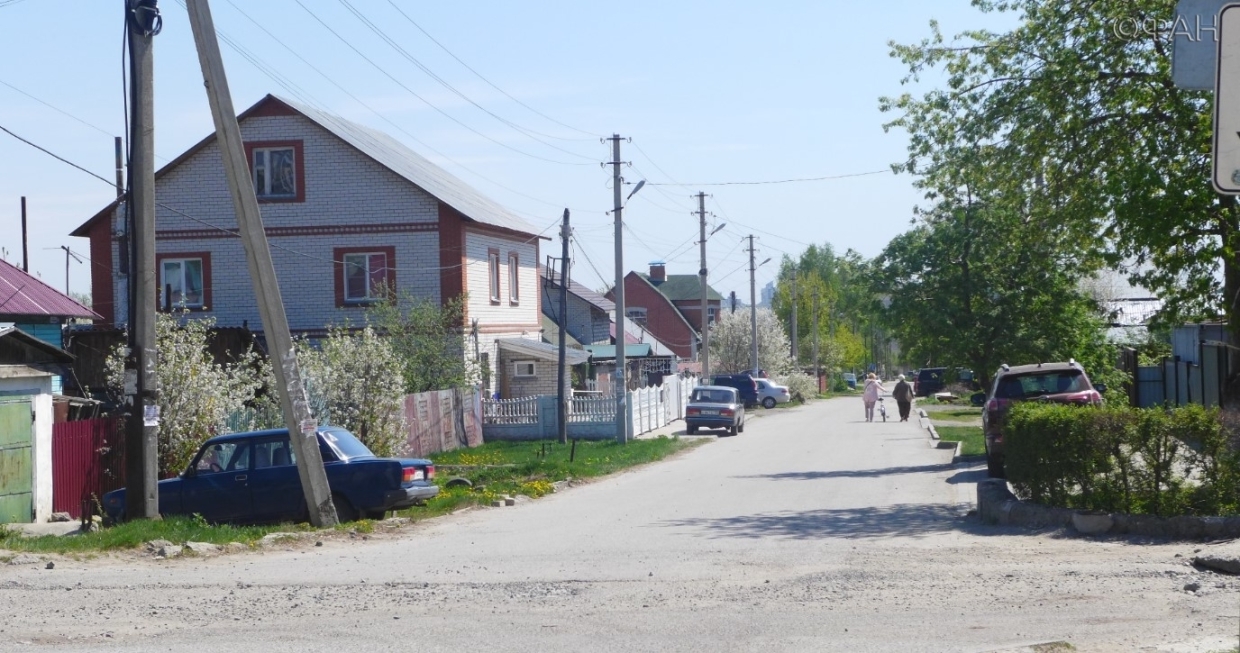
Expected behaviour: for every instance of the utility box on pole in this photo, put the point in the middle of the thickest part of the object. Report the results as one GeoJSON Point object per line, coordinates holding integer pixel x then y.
{"type": "Point", "coordinates": [1226, 172]}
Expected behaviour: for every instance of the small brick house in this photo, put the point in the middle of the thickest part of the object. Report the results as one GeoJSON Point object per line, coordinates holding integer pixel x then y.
{"type": "Point", "coordinates": [669, 307]}
{"type": "Point", "coordinates": [348, 212]}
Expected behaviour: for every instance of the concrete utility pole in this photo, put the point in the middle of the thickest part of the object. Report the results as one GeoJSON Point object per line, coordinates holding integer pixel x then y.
{"type": "Point", "coordinates": [301, 425]}
{"type": "Point", "coordinates": [142, 441]}
{"type": "Point", "coordinates": [120, 168]}
{"type": "Point", "coordinates": [68, 254]}
{"type": "Point", "coordinates": [733, 301]}
{"type": "Point", "coordinates": [562, 405]}
{"type": "Point", "coordinates": [795, 324]}
{"type": "Point", "coordinates": [753, 310]}
{"type": "Point", "coordinates": [817, 370]}
{"type": "Point", "coordinates": [705, 321]}
{"type": "Point", "coordinates": [622, 389]}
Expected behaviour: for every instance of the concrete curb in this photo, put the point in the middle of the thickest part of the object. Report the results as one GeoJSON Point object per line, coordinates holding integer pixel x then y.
{"type": "Point", "coordinates": [997, 505]}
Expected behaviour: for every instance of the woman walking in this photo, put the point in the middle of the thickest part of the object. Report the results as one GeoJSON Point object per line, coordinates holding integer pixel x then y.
{"type": "Point", "coordinates": [869, 396]}
{"type": "Point", "coordinates": [903, 394]}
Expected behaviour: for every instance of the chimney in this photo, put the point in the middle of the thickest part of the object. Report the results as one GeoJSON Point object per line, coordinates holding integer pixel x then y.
{"type": "Point", "coordinates": [658, 272]}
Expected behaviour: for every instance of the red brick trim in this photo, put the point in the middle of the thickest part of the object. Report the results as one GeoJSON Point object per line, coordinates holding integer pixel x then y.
{"type": "Point", "coordinates": [299, 164]}
{"type": "Point", "coordinates": [206, 277]}
{"type": "Point", "coordinates": [508, 328]}
{"type": "Point", "coordinates": [495, 280]}
{"type": "Point", "coordinates": [319, 230]}
{"type": "Point", "coordinates": [338, 254]}
{"type": "Point", "coordinates": [451, 257]}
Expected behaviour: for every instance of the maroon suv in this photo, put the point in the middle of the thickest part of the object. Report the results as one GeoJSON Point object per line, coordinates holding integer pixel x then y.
{"type": "Point", "coordinates": [1058, 382]}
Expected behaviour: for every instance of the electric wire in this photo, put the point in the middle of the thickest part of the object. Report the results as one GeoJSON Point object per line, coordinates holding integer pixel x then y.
{"type": "Point", "coordinates": [57, 109]}
{"type": "Point", "coordinates": [529, 133]}
{"type": "Point", "coordinates": [578, 247]}
{"type": "Point", "coordinates": [424, 100]}
{"type": "Point", "coordinates": [489, 83]}
{"type": "Point", "coordinates": [399, 128]}
{"type": "Point", "coordinates": [782, 181]}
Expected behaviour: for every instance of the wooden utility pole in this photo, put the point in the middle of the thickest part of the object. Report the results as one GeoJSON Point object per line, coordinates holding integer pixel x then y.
{"type": "Point", "coordinates": [795, 325]}
{"type": "Point", "coordinates": [562, 404]}
{"type": "Point", "coordinates": [301, 425]}
{"type": "Point", "coordinates": [817, 370]}
{"type": "Point", "coordinates": [142, 442]}
{"type": "Point", "coordinates": [25, 244]}
{"type": "Point", "coordinates": [705, 321]}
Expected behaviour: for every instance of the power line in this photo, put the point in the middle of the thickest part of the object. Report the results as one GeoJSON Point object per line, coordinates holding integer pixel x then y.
{"type": "Point", "coordinates": [598, 274]}
{"type": "Point", "coordinates": [424, 100]}
{"type": "Point", "coordinates": [489, 83]}
{"type": "Point", "coordinates": [56, 109]}
{"type": "Point", "coordinates": [530, 133]}
{"type": "Point", "coordinates": [780, 181]}
{"type": "Point", "coordinates": [56, 156]}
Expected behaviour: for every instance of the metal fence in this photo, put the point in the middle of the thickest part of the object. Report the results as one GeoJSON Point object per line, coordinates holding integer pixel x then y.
{"type": "Point", "coordinates": [1176, 382]}
{"type": "Point", "coordinates": [88, 460]}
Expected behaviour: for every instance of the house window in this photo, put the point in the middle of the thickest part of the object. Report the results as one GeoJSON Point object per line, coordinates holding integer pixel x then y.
{"type": "Point", "coordinates": [514, 271]}
{"type": "Point", "coordinates": [275, 175]}
{"type": "Point", "coordinates": [364, 275]}
{"type": "Point", "coordinates": [493, 262]}
{"type": "Point", "coordinates": [710, 315]}
{"type": "Point", "coordinates": [524, 369]}
{"type": "Point", "coordinates": [278, 170]}
{"type": "Point", "coordinates": [184, 280]}
{"type": "Point", "coordinates": [636, 314]}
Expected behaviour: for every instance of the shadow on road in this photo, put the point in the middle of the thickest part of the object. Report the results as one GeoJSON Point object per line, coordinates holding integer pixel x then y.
{"type": "Point", "coordinates": [968, 476]}
{"type": "Point", "coordinates": [855, 473]}
{"type": "Point", "coordinates": [901, 520]}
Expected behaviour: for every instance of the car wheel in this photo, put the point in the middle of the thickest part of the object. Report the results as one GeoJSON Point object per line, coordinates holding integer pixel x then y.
{"type": "Point", "coordinates": [734, 429]}
{"type": "Point", "coordinates": [376, 515]}
{"type": "Point", "coordinates": [741, 428]}
{"type": "Point", "coordinates": [994, 467]}
{"type": "Point", "coordinates": [344, 510]}
{"type": "Point", "coordinates": [768, 403]}
{"type": "Point", "coordinates": [692, 430]}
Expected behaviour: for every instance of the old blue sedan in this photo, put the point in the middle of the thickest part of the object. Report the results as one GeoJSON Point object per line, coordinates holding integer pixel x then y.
{"type": "Point", "coordinates": [252, 478]}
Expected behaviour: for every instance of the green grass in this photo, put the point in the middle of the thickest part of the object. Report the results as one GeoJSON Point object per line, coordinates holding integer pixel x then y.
{"type": "Point", "coordinates": [496, 469]}
{"type": "Point", "coordinates": [956, 414]}
{"type": "Point", "coordinates": [974, 444]}
{"type": "Point", "coordinates": [135, 533]}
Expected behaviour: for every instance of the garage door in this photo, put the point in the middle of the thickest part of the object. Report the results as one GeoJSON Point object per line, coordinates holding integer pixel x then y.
{"type": "Point", "coordinates": [16, 470]}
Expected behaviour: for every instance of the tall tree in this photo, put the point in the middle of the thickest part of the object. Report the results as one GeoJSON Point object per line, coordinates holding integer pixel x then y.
{"type": "Point", "coordinates": [1081, 118]}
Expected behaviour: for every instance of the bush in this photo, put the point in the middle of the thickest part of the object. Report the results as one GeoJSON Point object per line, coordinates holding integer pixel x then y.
{"type": "Point", "coordinates": [801, 386]}
{"type": "Point", "coordinates": [1120, 459]}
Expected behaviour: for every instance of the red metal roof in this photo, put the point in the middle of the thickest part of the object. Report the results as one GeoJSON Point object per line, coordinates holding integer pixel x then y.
{"type": "Point", "coordinates": [24, 295]}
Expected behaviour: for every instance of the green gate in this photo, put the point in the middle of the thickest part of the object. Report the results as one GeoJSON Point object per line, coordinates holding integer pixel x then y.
{"type": "Point", "coordinates": [16, 469]}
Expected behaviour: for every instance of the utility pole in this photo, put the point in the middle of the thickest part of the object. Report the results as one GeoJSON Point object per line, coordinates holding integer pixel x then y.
{"type": "Point", "coordinates": [817, 370]}
{"type": "Point", "coordinates": [705, 321]}
{"type": "Point", "coordinates": [622, 389]}
{"type": "Point", "coordinates": [120, 168]}
{"type": "Point", "coordinates": [562, 406]}
{"type": "Point", "coordinates": [142, 449]}
{"type": "Point", "coordinates": [796, 326]}
{"type": "Point", "coordinates": [302, 427]}
{"type": "Point", "coordinates": [68, 253]}
{"type": "Point", "coordinates": [25, 245]}
{"type": "Point", "coordinates": [733, 301]}
{"type": "Point", "coordinates": [753, 310]}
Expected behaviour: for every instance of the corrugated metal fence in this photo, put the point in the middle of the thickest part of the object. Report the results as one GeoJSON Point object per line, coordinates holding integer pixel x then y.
{"type": "Point", "coordinates": [88, 459]}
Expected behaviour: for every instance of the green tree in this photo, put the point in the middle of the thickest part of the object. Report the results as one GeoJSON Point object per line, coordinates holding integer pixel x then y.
{"type": "Point", "coordinates": [1082, 120]}
{"type": "Point", "coordinates": [428, 340]}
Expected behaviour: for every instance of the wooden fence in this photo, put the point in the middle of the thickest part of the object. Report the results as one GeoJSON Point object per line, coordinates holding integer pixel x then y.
{"type": "Point", "coordinates": [443, 420]}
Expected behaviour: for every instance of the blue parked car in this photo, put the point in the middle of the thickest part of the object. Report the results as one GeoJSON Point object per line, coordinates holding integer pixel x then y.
{"type": "Point", "coordinates": [252, 478]}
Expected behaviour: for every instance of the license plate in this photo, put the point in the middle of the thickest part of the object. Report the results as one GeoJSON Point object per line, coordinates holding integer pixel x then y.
{"type": "Point", "coordinates": [710, 412]}
{"type": "Point", "coordinates": [417, 475]}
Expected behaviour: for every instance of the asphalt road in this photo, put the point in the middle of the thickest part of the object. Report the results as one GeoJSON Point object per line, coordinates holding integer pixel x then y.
{"type": "Point", "coordinates": [811, 531]}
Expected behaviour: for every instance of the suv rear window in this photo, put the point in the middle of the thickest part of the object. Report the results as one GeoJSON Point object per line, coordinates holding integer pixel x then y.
{"type": "Point", "coordinates": [1024, 386]}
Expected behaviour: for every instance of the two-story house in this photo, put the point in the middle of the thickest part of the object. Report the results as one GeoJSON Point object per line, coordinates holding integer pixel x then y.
{"type": "Point", "coordinates": [350, 214]}
{"type": "Point", "coordinates": [669, 307]}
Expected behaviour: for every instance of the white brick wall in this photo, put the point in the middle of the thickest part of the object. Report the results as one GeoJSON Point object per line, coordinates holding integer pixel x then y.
{"type": "Point", "coordinates": [478, 282]}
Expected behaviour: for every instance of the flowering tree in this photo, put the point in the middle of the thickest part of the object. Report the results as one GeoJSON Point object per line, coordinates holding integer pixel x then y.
{"type": "Point", "coordinates": [731, 344]}
{"type": "Point", "coordinates": [357, 379]}
{"type": "Point", "coordinates": [198, 397]}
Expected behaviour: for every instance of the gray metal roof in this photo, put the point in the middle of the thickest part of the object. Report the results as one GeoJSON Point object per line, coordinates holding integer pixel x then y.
{"type": "Point", "coordinates": [600, 302]}
{"type": "Point", "coordinates": [542, 350]}
{"type": "Point", "coordinates": [395, 156]}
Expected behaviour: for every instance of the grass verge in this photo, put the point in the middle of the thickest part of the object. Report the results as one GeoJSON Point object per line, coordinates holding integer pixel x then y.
{"type": "Point", "coordinates": [973, 442]}
{"type": "Point", "coordinates": [956, 414]}
{"type": "Point", "coordinates": [495, 469]}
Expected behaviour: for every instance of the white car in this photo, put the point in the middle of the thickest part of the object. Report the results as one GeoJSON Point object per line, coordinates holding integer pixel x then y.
{"type": "Point", "coordinates": [771, 393]}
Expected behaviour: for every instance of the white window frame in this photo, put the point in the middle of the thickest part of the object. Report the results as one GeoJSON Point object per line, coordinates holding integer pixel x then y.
{"type": "Point", "coordinates": [514, 278]}
{"type": "Point", "coordinates": [636, 314]}
{"type": "Point", "coordinates": [202, 281]}
{"type": "Point", "coordinates": [263, 190]}
{"type": "Point", "coordinates": [493, 276]}
{"type": "Point", "coordinates": [712, 314]}
{"type": "Point", "coordinates": [370, 295]}
{"type": "Point", "coordinates": [517, 367]}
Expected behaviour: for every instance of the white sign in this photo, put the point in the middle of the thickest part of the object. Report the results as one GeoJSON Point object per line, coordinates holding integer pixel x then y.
{"type": "Point", "coordinates": [1226, 174]}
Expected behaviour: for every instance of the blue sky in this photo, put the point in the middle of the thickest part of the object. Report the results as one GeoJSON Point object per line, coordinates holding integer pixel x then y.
{"type": "Point", "coordinates": [710, 92]}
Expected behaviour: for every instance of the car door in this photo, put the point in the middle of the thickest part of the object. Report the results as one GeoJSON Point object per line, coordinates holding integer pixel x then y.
{"type": "Point", "coordinates": [219, 487]}
{"type": "Point", "coordinates": [275, 487]}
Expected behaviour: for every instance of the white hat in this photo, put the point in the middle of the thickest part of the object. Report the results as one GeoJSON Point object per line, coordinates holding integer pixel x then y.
{"type": "Point", "coordinates": [901, 377]}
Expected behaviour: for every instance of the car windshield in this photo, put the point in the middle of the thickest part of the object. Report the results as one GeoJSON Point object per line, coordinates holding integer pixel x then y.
{"type": "Point", "coordinates": [1041, 383]}
{"type": "Point", "coordinates": [345, 445]}
{"type": "Point", "coordinates": [712, 396]}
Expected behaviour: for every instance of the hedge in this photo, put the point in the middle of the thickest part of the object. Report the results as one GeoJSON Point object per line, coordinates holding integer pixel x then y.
{"type": "Point", "coordinates": [1156, 461]}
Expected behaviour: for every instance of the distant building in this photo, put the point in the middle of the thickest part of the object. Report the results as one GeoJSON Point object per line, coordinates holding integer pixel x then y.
{"type": "Point", "coordinates": [767, 295]}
